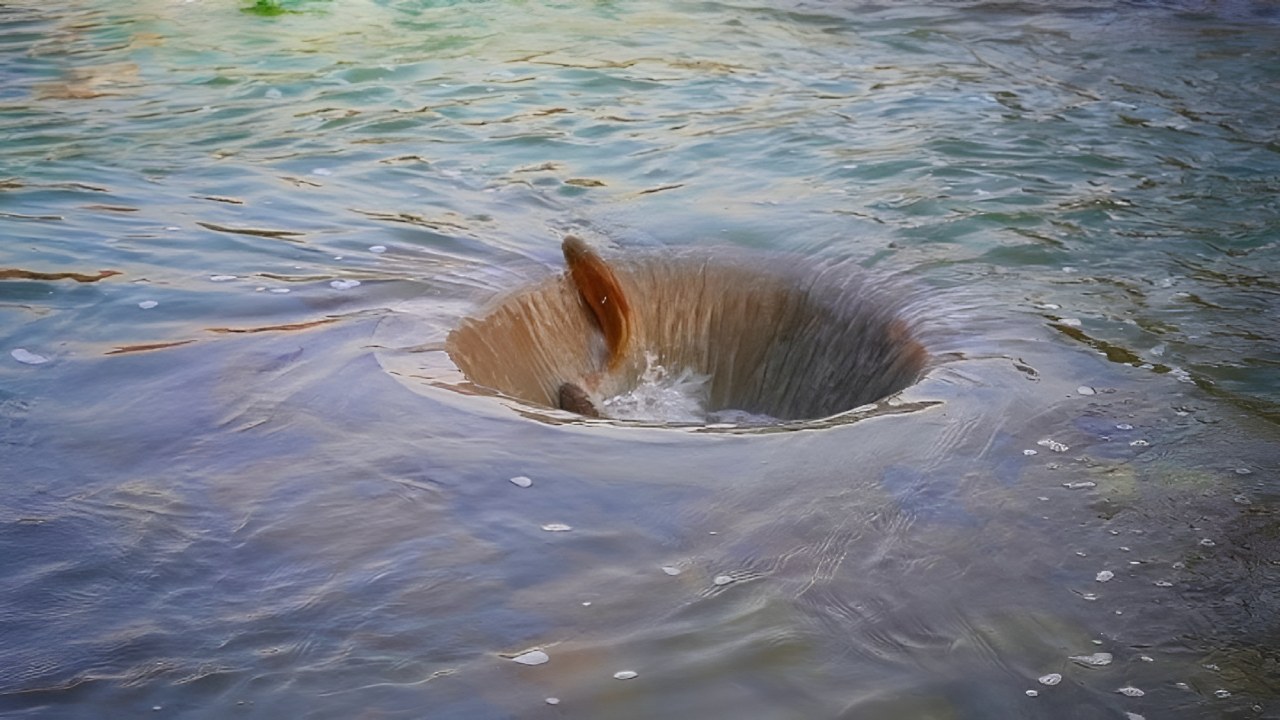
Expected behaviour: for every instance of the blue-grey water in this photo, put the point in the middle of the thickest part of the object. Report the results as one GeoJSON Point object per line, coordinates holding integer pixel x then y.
{"type": "Point", "coordinates": [236, 483]}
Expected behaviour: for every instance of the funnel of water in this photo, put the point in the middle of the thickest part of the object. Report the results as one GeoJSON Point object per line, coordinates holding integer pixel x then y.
{"type": "Point", "coordinates": [735, 334]}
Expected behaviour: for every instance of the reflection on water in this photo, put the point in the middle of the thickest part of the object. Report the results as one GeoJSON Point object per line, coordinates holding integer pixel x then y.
{"type": "Point", "coordinates": [240, 478]}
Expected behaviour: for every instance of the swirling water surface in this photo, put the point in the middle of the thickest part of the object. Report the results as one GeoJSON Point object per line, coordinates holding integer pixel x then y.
{"type": "Point", "coordinates": [233, 485]}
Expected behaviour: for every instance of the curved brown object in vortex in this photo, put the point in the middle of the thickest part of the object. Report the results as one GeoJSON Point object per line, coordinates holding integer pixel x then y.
{"type": "Point", "coordinates": [574, 399]}
{"type": "Point", "coordinates": [599, 290]}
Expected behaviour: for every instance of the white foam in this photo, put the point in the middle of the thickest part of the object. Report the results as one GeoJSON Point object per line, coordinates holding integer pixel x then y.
{"type": "Point", "coordinates": [1130, 691]}
{"type": "Point", "coordinates": [1095, 660]}
{"type": "Point", "coordinates": [26, 357]}
{"type": "Point", "coordinates": [662, 396]}
{"type": "Point", "coordinates": [665, 395]}
{"type": "Point", "coordinates": [533, 657]}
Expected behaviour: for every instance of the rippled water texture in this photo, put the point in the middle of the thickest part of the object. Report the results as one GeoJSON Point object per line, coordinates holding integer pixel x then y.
{"type": "Point", "coordinates": [243, 478]}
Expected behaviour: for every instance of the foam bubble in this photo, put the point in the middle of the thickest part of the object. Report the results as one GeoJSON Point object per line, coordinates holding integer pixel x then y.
{"type": "Point", "coordinates": [1100, 659]}
{"type": "Point", "coordinates": [533, 657]}
{"type": "Point", "coordinates": [26, 357]}
{"type": "Point", "coordinates": [1130, 691]}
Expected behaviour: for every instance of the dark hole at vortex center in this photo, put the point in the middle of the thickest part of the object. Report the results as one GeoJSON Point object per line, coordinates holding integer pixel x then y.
{"type": "Point", "coordinates": [778, 337]}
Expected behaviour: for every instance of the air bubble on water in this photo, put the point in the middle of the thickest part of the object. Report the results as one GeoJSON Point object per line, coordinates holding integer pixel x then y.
{"type": "Point", "coordinates": [521, 481]}
{"type": "Point", "coordinates": [1082, 553]}
{"type": "Point", "coordinates": [553, 701]}
{"type": "Point", "coordinates": [1139, 443]}
{"type": "Point", "coordinates": [1054, 445]}
{"type": "Point", "coordinates": [533, 657]}
{"type": "Point", "coordinates": [26, 357]}
{"type": "Point", "coordinates": [1086, 390]}
{"type": "Point", "coordinates": [1124, 426]}
{"type": "Point", "coordinates": [1051, 679]}
{"type": "Point", "coordinates": [723, 579]}
{"type": "Point", "coordinates": [1211, 666]}
{"type": "Point", "coordinates": [1222, 693]}
{"type": "Point", "coordinates": [1133, 716]}
{"type": "Point", "coordinates": [1104, 576]}
{"type": "Point", "coordinates": [344, 284]}
{"type": "Point", "coordinates": [378, 249]}
{"type": "Point", "coordinates": [1163, 583]}
{"type": "Point", "coordinates": [1070, 322]}
{"type": "Point", "coordinates": [625, 674]}
{"type": "Point", "coordinates": [671, 570]}
{"type": "Point", "coordinates": [1146, 658]}
{"type": "Point", "coordinates": [1206, 542]}
{"type": "Point", "coordinates": [1049, 306]}
{"type": "Point", "coordinates": [1033, 693]}
{"type": "Point", "coordinates": [1089, 596]}
{"type": "Point", "coordinates": [586, 603]}
{"type": "Point", "coordinates": [221, 278]}
{"type": "Point", "coordinates": [279, 291]}
{"type": "Point", "coordinates": [1243, 471]}
{"type": "Point", "coordinates": [1080, 485]}
{"type": "Point", "coordinates": [273, 94]}
{"type": "Point", "coordinates": [556, 527]}
{"type": "Point", "coordinates": [1242, 500]}
{"type": "Point", "coordinates": [147, 304]}
{"type": "Point", "coordinates": [1029, 452]}
{"type": "Point", "coordinates": [322, 171]}
{"type": "Point", "coordinates": [1130, 691]}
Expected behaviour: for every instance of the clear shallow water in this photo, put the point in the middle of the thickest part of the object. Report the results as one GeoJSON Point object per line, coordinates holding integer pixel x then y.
{"type": "Point", "coordinates": [280, 513]}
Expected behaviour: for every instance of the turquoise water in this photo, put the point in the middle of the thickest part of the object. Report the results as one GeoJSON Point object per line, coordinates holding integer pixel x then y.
{"type": "Point", "coordinates": [222, 499]}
